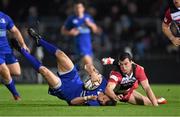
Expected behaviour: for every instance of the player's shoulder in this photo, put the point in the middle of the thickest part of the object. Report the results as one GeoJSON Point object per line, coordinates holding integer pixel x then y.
{"type": "Point", "coordinates": [87, 14]}
{"type": "Point", "coordinates": [2, 13]}
{"type": "Point", "coordinates": [138, 68]}
{"type": "Point", "coordinates": [115, 73]}
{"type": "Point", "coordinates": [4, 16]}
{"type": "Point", "coordinates": [71, 17]}
{"type": "Point", "coordinates": [167, 11]}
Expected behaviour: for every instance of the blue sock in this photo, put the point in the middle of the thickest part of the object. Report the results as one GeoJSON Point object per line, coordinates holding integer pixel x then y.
{"type": "Point", "coordinates": [33, 61]}
{"type": "Point", "coordinates": [49, 47]}
{"type": "Point", "coordinates": [12, 88]}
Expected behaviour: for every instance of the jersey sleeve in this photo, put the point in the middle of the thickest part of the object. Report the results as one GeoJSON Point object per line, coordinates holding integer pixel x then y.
{"type": "Point", "coordinates": [167, 19]}
{"type": "Point", "coordinates": [89, 17]}
{"type": "Point", "coordinates": [140, 73]}
{"type": "Point", "coordinates": [9, 22]}
{"type": "Point", "coordinates": [68, 23]}
{"type": "Point", "coordinates": [115, 77]}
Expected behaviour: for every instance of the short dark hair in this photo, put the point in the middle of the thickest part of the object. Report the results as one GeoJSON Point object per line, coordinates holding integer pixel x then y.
{"type": "Point", "coordinates": [111, 103]}
{"type": "Point", "coordinates": [80, 2]}
{"type": "Point", "coordinates": [123, 56]}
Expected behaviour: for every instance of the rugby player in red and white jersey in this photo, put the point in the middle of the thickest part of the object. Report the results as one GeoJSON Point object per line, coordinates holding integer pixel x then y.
{"type": "Point", "coordinates": [124, 79]}
{"type": "Point", "coordinates": [171, 14]}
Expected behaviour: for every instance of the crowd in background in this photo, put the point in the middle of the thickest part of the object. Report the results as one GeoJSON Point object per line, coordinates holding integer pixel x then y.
{"type": "Point", "coordinates": [127, 25]}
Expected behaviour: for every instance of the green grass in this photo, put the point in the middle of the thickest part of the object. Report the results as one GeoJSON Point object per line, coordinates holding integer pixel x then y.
{"type": "Point", "coordinates": [36, 101]}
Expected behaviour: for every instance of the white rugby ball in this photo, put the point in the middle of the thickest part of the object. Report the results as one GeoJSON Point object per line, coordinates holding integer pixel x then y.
{"type": "Point", "coordinates": [89, 85]}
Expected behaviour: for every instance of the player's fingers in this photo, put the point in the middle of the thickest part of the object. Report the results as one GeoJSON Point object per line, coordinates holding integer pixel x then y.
{"type": "Point", "coordinates": [94, 97]}
{"type": "Point", "coordinates": [120, 96]}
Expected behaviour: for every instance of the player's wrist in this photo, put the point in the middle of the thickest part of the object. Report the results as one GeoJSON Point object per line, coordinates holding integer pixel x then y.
{"type": "Point", "coordinates": [86, 98]}
{"type": "Point", "coordinates": [171, 38]}
{"type": "Point", "coordinates": [115, 98]}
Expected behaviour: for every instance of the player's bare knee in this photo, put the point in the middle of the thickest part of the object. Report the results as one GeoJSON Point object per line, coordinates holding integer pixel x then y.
{"type": "Point", "coordinates": [16, 73]}
{"type": "Point", "coordinates": [43, 70]}
{"type": "Point", "coordinates": [4, 69]}
{"type": "Point", "coordinates": [59, 53]}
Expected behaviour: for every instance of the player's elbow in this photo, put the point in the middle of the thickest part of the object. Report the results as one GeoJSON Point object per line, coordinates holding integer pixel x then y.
{"type": "Point", "coordinates": [63, 31]}
{"type": "Point", "coordinates": [165, 27]}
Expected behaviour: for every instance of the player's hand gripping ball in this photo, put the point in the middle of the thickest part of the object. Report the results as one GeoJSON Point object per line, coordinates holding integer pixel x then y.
{"type": "Point", "coordinates": [91, 85]}
{"type": "Point", "coordinates": [175, 28]}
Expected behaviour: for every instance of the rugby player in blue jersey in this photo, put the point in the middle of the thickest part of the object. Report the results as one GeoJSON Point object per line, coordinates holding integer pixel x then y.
{"type": "Point", "coordinates": [79, 25]}
{"type": "Point", "coordinates": [9, 65]}
{"type": "Point", "coordinates": [67, 85]}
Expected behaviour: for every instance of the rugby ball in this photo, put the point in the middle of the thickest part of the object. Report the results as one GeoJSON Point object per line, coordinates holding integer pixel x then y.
{"type": "Point", "coordinates": [90, 85]}
{"type": "Point", "coordinates": [175, 28]}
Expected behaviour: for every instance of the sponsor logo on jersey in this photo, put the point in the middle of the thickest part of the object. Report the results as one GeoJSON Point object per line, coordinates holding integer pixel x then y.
{"type": "Point", "coordinates": [128, 79]}
{"type": "Point", "coordinates": [75, 21]}
{"type": "Point", "coordinates": [175, 16]}
{"type": "Point", "coordinates": [83, 29]}
{"type": "Point", "coordinates": [2, 20]}
{"type": "Point", "coordinates": [2, 33]}
{"type": "Point", "coordinates": [114, 77]}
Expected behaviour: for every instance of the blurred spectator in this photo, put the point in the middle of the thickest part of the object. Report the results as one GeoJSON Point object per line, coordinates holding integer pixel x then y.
{"type": "Point", "coordinates": [121, 21]}
{"type": "Point", "coordinates": [32, 16]}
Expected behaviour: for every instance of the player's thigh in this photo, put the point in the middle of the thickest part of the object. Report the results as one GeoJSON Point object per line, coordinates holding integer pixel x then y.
{"type": "Point", "coordinates": [50, 77]}
{"type": "Point", "coordinates": [14, 68]}
{"type": "Point", "coordinates": [4, 72]}
{"type": "Point", "coordinates": [12, 64]}
{"type": "Point", "coordinates": [137, 98]}
{"type": "Point", "coordinates": [63, 62]}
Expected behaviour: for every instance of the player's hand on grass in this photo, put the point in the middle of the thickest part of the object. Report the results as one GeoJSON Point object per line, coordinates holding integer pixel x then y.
{"type": "Point", "coordinates": [176, 41]}
{"type": "Point", "coordinates": [120, 96]}
{"type": "Point", "coordinates": [116, 98]}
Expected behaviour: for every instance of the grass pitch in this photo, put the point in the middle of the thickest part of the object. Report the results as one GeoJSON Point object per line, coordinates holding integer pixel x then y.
{"type": "Point", "coordinates": [36, 102]}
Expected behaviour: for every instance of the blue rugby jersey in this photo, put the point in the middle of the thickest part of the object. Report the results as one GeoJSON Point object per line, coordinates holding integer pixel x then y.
{"type": "Point", "coordinates": [83, 40]}
{"type": "Point", "coordinates": [96, 92]}
{"type": "Point", "coordinates": [72, 87]}
{"type": "Point", "coordinates": [6, 23]}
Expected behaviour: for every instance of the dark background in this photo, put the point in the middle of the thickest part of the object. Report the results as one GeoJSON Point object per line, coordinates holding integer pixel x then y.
{"type": "Point", "coordinates": [133, 26]}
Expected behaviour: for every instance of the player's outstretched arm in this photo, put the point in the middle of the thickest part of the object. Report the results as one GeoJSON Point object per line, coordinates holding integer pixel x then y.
{"type": "Point", "coordinates": [17, 35]}
{"type": "Point", "coordinates": [93, 73]}
{"type": "Point", "coordinates": [166, 30]}
{"type": "Point", "coordinates": [149, 92]}
{"type": "Point", "coordinates": [83, 100]}
{"type": "Point", "coordinates": [110, 91]}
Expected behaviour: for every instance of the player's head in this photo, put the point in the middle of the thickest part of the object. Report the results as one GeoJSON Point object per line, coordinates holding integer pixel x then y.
{"type": "Point", "coordinates": [176, 3]}
{"type": "Point", "coordinates": [104, 100]}
{"type": "Point", "coordinates": [125, 62]}
{"type": "Point", "coordinates": [79, 7]}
